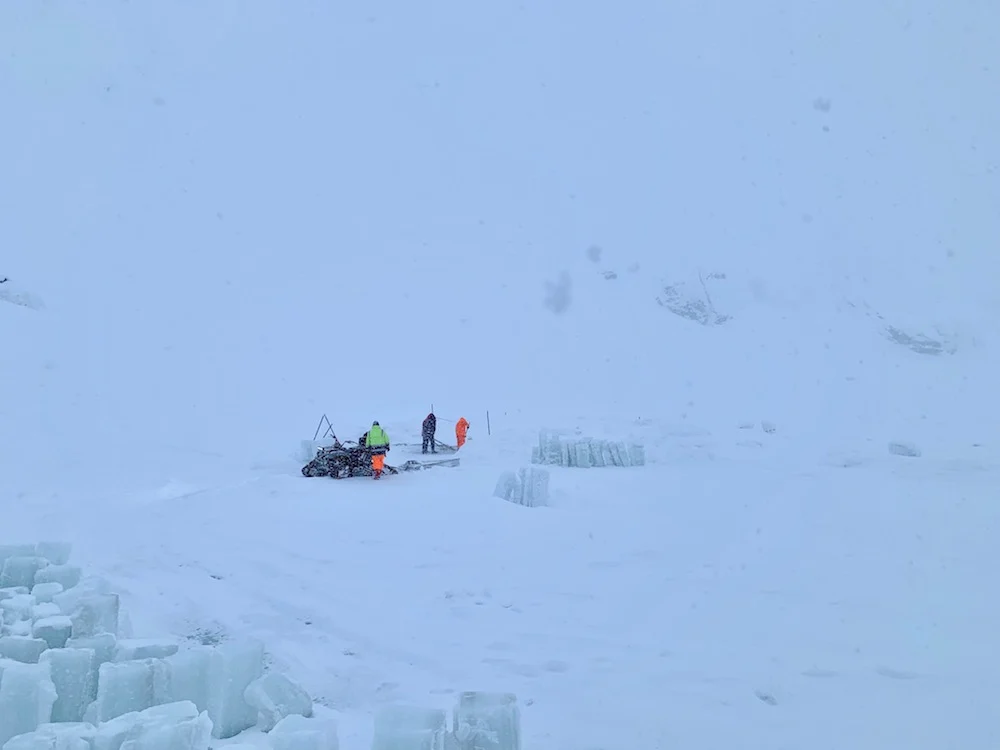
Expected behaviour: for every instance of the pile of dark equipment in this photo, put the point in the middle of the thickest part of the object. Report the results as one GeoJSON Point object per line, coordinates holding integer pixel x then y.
{"type": "Point", "coordinates": [350, 458]}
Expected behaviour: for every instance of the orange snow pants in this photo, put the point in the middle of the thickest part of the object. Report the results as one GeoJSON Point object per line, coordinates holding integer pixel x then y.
{"type": "Point", "coordinates": [378, 463]}
{"type": "Point", "coordinates": [460, 437]}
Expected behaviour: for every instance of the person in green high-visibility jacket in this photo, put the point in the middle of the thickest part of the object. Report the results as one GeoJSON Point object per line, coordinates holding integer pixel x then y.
{"type": "Point", "coordinates": [378, 445]}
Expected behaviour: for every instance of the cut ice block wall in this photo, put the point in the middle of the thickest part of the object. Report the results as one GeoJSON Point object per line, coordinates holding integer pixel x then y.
{"type": "Point", "coordinates": [70, 680]}
{"type": "Point", "coordinates": [529, 487]}
{"type": "Point", "coordinates": [98, 690]}
{"type": "Point", "coordinates": [584, 453]}
{"type": "Point", "coordinates": [480, 721]}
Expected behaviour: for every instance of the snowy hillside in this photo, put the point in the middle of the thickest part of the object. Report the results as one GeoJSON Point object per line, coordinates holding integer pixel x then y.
{"type": "Point", "coordinates": [657, 222]}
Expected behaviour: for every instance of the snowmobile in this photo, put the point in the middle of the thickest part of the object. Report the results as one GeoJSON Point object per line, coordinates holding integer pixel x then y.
{"type": "Point", "coordinates": [339, 461]}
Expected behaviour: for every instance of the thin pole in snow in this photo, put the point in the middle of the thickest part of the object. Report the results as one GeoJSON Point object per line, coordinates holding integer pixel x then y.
{"type": "Point", "coordinates": [488, 432]}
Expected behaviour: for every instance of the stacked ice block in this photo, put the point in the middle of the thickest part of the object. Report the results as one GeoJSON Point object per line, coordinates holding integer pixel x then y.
{"type": "Point", "coordinates": [70, 680]}
{"type": "Point", "coordinates": [585, 452]}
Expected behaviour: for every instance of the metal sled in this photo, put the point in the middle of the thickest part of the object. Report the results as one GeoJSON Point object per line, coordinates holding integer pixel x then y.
{"type": "Point", "coordinates": [413, 465]}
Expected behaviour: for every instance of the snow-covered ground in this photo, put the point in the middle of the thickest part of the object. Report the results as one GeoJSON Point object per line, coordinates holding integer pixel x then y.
{"type": "Point", "coordinates": [731, 590]}
{"type": "Point", "coordinates": [650, 221]}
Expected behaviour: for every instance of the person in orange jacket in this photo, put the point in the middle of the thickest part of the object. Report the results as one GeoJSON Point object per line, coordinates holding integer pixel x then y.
{"type": "Point", "coordinates": [461, 428]}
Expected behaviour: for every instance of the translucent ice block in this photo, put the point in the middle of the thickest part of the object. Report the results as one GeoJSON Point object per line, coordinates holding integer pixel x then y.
{"type": "Point", "coordinates": [487, 721]}
{"type": "Point", "coordinates": [299, 733]}
{"type": "Point", "coordinates": [409, 728]}
{"type": "Point", "coordinates": [27, 695]}
{"type": "Point", "coordinates": [275, 696]}
{"type": "Point", "coordinates": [74, 675]}
{"type": "Point", "coordinates": [231, 669]}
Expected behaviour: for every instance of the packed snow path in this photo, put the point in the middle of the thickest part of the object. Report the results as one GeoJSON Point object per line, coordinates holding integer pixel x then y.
{"type": "Point", "coordinates": [692, 605]}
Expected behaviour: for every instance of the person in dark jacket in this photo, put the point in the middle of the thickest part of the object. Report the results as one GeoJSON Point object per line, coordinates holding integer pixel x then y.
{"type": "Point", "coordinates": [427, 430]}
